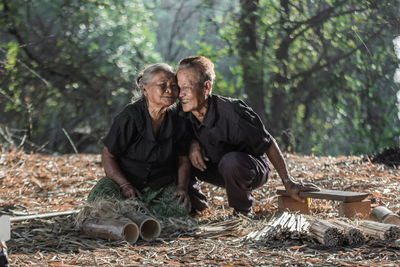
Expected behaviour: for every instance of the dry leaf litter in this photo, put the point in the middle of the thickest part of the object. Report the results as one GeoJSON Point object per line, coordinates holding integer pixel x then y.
{"type": "Point", "coordinates": [36, 184]}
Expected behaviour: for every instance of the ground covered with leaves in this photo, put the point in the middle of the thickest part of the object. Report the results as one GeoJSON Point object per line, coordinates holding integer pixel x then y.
{"type": "Point", "coordinates": [35, 183]}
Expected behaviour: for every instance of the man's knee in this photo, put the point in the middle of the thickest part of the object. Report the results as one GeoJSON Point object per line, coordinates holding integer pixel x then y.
{"type": "Point", "coordinates": [231, 161]}
{"type": "Point", "coordinates": [239, 168]}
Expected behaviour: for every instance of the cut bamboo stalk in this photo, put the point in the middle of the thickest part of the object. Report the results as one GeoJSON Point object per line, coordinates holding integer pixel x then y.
{"type": "Point", "coordinates": [382, 231]}
{"type": "Point", "coordinates": [111, 228]}
{"type": "Point", "coordinates": [326, 233]}
{"type": "Point", "coordinates": [384, 215]}
{"type": "Point", "coordinates": [43, 215]}
{"type": "Point", "coordinates": [149, 228]}
{"type": "Point", "coordinates": [352, 235]}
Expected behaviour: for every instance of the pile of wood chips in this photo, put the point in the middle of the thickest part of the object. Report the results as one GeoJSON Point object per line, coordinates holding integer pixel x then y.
{"type": "Point", "coordinates": [34, 183]}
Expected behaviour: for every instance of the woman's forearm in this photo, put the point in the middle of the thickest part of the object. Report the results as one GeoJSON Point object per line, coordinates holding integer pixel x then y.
{"type": "Point", "coordinates": [111, 168]}
{"type": "Point", "coordinates": [183, 172]}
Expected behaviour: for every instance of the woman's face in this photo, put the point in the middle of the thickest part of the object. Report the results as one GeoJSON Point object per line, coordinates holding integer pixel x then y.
{"type": "Point", "coordinates": [162, 89]}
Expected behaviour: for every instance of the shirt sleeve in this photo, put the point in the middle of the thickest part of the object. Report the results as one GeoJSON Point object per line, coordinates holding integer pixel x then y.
{"type": "Point", "coordinates": [121, 134]}
{"type": "Point", "coordinates": [251, 133]}
{"type": "Point", "coordinates": [185, 138]}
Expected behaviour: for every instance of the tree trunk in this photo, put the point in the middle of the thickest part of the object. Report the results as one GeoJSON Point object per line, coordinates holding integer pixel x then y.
{"type": "Point", "coordinates": [278, 103]}
{"type": "Point", "coordinates": [250, 57]}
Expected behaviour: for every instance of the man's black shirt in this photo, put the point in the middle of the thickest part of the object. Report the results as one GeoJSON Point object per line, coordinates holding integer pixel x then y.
{"type": "Point", "coordinates": [144, 159]}
{"type": "Point", "coordinates": [230, 126]}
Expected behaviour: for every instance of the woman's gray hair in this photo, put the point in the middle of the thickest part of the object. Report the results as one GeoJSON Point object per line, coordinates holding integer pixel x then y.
{"type": "Point", "coordinates": [145, 75]}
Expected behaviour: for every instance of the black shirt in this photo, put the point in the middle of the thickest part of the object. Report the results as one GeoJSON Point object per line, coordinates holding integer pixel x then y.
{"type": "Point", "coordinates": [230, 125]}
{"type": "Point", "coordinates": [144, 159]}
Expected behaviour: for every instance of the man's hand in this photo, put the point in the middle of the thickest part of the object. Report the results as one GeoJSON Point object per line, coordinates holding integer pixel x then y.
{"type": "Point", "coordinates": [197, 156]}
{"type": "Point", "coordinates": [294, 188]}
{"type": "Point", "coordinates": [183, 197]}
{"type": "Point", "coordinates": [129, 191]}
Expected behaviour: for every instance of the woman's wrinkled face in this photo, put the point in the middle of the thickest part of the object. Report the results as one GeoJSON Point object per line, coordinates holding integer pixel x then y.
{"type": "Point", "coordinates": [162, 89]}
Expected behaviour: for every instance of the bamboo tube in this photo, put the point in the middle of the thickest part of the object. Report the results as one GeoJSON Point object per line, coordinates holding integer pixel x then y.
{"type": "Point", "coordinates": [111, 228]}
{"type": "Point", "coordinates": [326, 233]}
{"type": "Point", "coordinates": [382, 231]}
{"type": "Point", "coordinates": [384, 215]}
{"type": "Point", "coordinates": [352, 235]}
{"type": "Point", "coordinates": [149, 227]}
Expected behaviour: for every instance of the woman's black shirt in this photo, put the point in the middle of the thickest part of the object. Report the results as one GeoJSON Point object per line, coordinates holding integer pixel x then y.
{"type": "Point", "coordinates": [146, 159]}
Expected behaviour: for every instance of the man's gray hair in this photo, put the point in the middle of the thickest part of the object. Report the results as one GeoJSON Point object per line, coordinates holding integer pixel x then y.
{"type": "Point", "coordinates": [145, 75]}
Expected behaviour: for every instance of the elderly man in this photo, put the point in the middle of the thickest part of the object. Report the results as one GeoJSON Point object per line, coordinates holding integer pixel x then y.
{"type": "Point", "coordinates": [232, 144]}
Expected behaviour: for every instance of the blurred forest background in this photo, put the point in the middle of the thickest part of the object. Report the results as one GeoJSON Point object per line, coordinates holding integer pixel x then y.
{"type": "Point", "coordinates": [320, 73]}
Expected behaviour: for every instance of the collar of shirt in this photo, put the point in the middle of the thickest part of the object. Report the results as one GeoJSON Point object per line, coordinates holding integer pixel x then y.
{"type": "Point", "coordinates": [166, 128]}
{"type": "Point", "coordinates": [209, 118]}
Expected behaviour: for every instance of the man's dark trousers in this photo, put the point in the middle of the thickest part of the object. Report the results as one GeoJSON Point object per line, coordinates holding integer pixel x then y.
{"type": "Point", "coordinates": [239, 173]}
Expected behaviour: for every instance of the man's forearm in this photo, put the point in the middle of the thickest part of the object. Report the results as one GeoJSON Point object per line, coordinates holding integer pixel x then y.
{"type": "Point", "coordinates": [275, 156]}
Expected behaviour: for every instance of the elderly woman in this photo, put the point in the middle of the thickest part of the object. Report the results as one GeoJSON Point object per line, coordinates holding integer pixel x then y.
{"type": "Point", "coordinates": [144, 153]}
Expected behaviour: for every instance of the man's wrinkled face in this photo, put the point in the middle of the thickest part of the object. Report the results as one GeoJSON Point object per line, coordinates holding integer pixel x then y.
{"type": "Point", "coordinates": [192, 94]}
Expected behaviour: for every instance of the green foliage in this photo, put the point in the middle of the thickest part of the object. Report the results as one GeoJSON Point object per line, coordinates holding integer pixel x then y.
{"type": "Point", "coordinates": [327, 69]}
{"type": "Point", "coordinates": [322, 69]}
{"type": "Point", "coordinates": [11, 56]}
{"type": "Point", "coordinates": [71, 65]}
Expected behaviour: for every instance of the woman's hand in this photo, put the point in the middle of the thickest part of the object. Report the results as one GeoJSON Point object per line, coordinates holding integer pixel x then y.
{"type": "Point", "coordinates": [183, 197]}
{"type": "Point", "coordinates": [129, 191]}
{"type": "Point", "coordinates": [294, 188]}
{"type": "Point", "coordinates": [197, 156]}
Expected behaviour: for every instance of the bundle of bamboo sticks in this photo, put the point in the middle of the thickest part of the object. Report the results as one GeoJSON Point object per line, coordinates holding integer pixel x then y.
{"type": "Point", "coordinates": [352, 235]}
{"type": "Point", "coordinates": [326, 233]}
{"type": "Point", "coordinates": [382, 231]}
{"type": "Point", "coordinates": [286, 226]}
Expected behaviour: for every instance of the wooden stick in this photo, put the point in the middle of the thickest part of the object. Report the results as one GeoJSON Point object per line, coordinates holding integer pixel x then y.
{"type": "Point", "coordinates": [70, 141]}
{"type": "Point", "coordinates": [44, 215]}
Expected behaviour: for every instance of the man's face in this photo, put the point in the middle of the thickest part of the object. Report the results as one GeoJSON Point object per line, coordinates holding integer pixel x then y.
{"type": "Point", "coordinates": [192, 95]}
